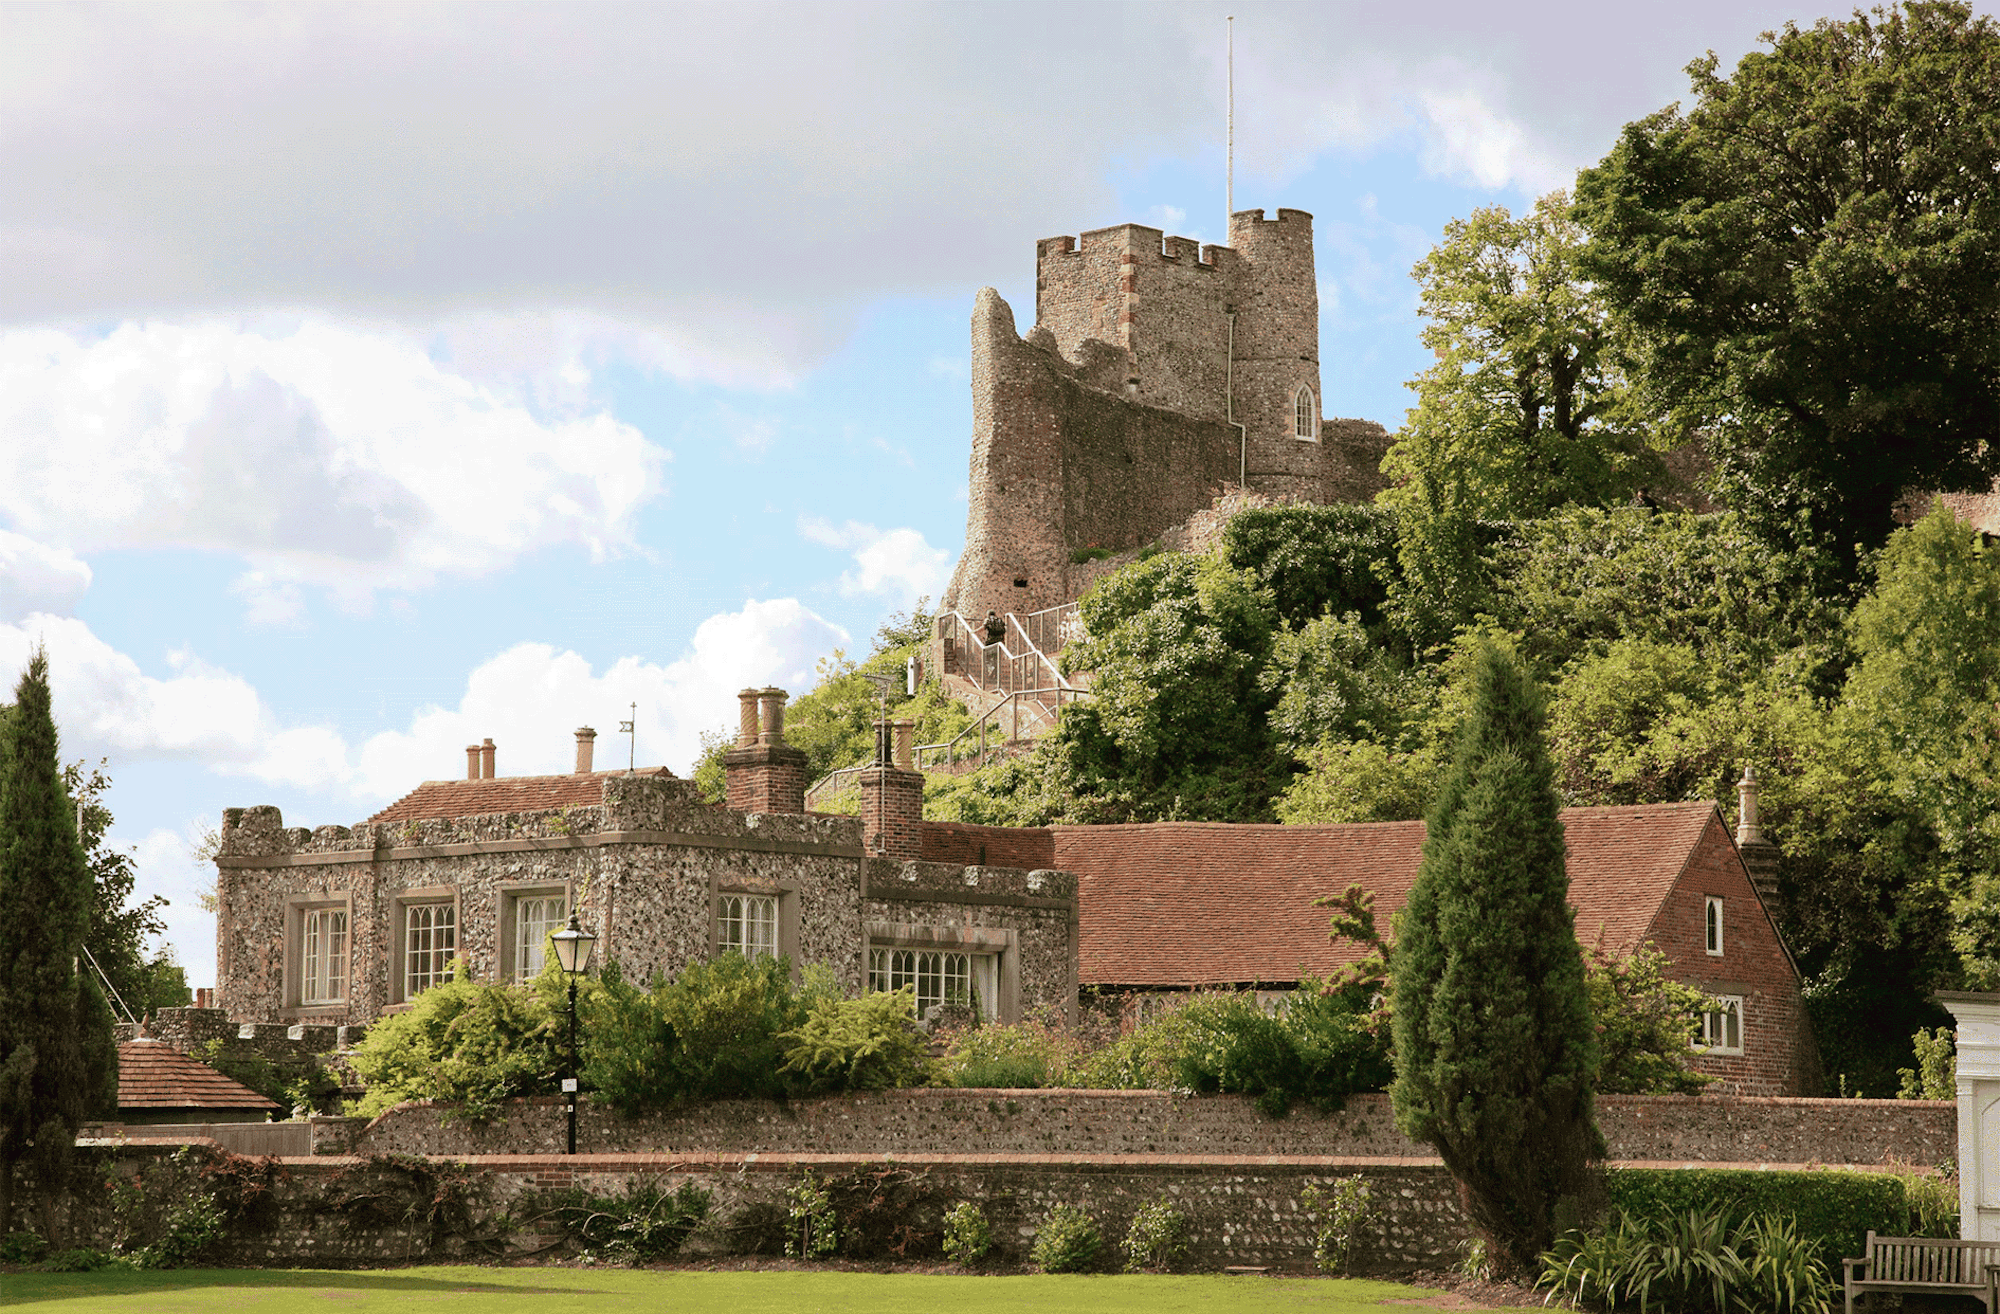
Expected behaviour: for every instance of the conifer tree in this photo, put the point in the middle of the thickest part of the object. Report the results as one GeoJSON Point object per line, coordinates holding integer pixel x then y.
{"type": "Point", "coordinates": [57, 1060]}
{"type": "Point", "coordinates": [1495, 1051]}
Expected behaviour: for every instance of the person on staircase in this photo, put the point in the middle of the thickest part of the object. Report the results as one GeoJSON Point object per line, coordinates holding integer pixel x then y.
{"type": "Point", "coordinates": [996, 630]}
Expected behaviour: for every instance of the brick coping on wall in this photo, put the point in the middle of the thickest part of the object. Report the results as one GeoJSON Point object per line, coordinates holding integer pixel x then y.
{"type": "Point", "coordinates": [786, 1161]}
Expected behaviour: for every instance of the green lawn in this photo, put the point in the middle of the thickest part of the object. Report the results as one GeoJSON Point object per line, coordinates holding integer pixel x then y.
{"type": "Point", "coordinates": [615, 1291]}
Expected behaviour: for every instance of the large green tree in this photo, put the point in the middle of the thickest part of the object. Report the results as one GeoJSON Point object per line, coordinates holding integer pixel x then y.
{"type": "Point", "coordinates": [58, 1060]}
{"type": "Point", "coordinates": [1496, 1054]}
{"type": "Point", "coordinates": [120, 924]}
{"type": "Point", "coordinates": [1524, 410]}
{"type": "Point", "coordinates": [1805, 265]}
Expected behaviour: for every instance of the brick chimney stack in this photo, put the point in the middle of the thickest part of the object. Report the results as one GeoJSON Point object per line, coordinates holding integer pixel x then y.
{"type": "Point", "coordinates": [765, 773]}
{"type": "Point", "coordinates": [892, 796]}
{"type": "Point", "coordinates": [472, 761]}
{"type": "Point", "coordinates": [586, 744]}
{"type": "Point", "coordinates": [486, 759]}
{"type": "Point", "coordinates": [1760, 856]}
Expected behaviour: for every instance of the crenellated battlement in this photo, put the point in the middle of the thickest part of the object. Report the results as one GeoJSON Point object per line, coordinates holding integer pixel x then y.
{"type": "Point", "coordinates": [1158, 374]}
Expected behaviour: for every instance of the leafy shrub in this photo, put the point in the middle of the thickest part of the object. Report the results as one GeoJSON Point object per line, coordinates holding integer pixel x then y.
{"type": "Point", "coordinates": [1341, 1212]}
{"type": "Point", "coordinates": [811, 1230]}
{"type": "Point", "coordinates": [1157, 1241]}
{"type": "Point", "coordinates": [1834, 1209]}
{"type": "Point", "coordinates": [21, 1248]}
{"type": "Point", "coordinates": [193, 1225]}
{"type": "Point", "coordinates": [1931, 1203]}
{"type": "Point", "coordinates": [870, 1043]}
{"type": "Point", "coordinates": [967, 1235]}
{"type": "Point", "coordinates": [648, 1222]}
{"type": "Point", "coordinates": [713, 1032]}
{"type": "Point", "coordinates": [1935, 1076]}
{"type": "Point", "coordinates": [1021, 1056]}
{"type": "Point", "coordinates": [1783, 1271]}
{"type": "Point", "coordinates": [467, 1044]}
{"type": "Point", "coordinates": [82, 1259]}
{"type": "Point", "coordinates": [1693, 1262]}
{"type": "Point", "coordinates": [1316, 1048]}
{"type": "Point", "coordinates": [1067, 1241]}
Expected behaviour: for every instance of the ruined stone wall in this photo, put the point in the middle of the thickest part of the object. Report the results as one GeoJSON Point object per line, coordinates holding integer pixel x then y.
{"type": "Point", "coordinates": [1072, 451]}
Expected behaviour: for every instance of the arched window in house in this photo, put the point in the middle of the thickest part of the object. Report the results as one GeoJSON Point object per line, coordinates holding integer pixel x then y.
{"type": "Point", "coordinates": [1305, 413]}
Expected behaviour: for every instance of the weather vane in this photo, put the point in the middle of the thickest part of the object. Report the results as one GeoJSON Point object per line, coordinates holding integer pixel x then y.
{"type": "Point", "coordinates": [631, 739]}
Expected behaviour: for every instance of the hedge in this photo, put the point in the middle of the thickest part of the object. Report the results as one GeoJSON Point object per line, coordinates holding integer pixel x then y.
{"type": "Point", "coordinates": [1835, 1208]}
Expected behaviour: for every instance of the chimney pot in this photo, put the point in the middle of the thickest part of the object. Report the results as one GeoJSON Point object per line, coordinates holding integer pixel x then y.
{"type": "Point", "coordinates": [906, 742]}
{"type": "Point", "coordinates": [773, 732]}
{"type": "Point", "coordinates": [586, 743]}
{"type": "Point", "coordinates": [1747, 829]}
{"type": "Point", "coordinates": [472, 761]}
{"type": "Point", "coordinates": [746, 720]}
{"type": "Point", "coordinates": [486, 758]}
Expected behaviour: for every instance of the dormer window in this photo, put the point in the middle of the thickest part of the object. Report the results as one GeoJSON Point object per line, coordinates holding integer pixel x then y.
{"type": "Point", "coordinates": [1305, 414]}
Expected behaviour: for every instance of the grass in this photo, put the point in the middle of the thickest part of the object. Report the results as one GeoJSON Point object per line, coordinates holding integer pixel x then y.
{"type": "Point", "coordinates": [616, 1291]}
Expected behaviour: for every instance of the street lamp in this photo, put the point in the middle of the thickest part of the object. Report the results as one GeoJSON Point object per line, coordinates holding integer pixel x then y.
{"type": "Point", "coordinates": [572, 945]}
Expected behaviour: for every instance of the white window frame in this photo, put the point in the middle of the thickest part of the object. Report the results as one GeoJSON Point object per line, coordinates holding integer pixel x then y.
{"type": "Point", "coordinates": [516, 955]}
{"type": "Point", "coordinates": [747, 923]}
{"type": "Point", "coordinates": [990, 966]}
{"type": "Point", "coordinates": [1722, 1026]}
{"type": "Point", "coordinates": [940, 976]}
{"type": "Point", "coordinates": [1305, 406]}
{"type": "Point", "coordinates": [326, 958]}
{"type": "Point", "coordinates": [435, 943]}
{"type": "Point", "coordinates": [1712, 925]}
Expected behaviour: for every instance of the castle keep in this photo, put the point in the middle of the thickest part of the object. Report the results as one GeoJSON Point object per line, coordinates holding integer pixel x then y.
{"type": "Point", "coordinates": [1159, 373]}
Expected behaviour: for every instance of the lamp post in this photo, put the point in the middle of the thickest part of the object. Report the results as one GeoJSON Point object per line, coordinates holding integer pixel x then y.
{"type": "Point", "coordinates": [572, 945]}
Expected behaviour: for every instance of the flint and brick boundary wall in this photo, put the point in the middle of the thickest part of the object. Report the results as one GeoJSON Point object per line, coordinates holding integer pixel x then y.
{"type": "Point", "coordinates": [1236, 1174]}
{"type": "Point", "coordinates": [1669, 1129]}
{"type": "Point", "coordinates": [1241, 1210]}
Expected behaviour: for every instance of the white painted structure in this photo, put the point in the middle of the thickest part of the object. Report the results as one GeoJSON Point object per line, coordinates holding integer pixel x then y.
{"type": "Point", "coordinates": [1978, 1018]}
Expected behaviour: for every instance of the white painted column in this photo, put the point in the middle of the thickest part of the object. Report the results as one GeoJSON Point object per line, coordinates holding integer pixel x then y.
{"type": "Point", "coordinates": [1978, 1018]}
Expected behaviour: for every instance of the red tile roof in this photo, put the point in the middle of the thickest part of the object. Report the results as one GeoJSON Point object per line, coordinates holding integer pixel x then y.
{"type": "Point", "coordinates": [154, 1075]}
{"type": "Point", "coordinates": [1197, 903]}
{"type": "Point", "coordinates": [441, 799]}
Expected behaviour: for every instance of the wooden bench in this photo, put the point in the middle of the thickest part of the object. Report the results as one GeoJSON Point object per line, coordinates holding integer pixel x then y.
{"type": "Point", "coordinates": [1914, 1265]}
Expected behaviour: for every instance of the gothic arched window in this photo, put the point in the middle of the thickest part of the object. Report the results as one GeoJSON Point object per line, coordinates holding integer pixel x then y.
{"type": "Point", "coordinates": [1305, 413]}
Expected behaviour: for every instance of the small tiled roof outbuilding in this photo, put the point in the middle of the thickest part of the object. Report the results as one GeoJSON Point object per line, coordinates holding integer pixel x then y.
{"type": "Point", "coordinates": [446, 799]}
{"type": "Point", "coordinates": [1169, 904]}
{"type": "Point", "coordinates": [154, 1075]}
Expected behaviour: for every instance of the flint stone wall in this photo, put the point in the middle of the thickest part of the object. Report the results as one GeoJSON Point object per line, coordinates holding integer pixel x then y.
{"type": "Point", "coordinates": [343, 1210]}
{"type": "Point", "coordinates": [644, 870]}
{"type": "Point", "coordinates": [1637, 1128]}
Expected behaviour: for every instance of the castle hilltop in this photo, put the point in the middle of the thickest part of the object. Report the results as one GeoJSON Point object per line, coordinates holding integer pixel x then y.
{"type": "Point", "coordinates": [1159, 375]}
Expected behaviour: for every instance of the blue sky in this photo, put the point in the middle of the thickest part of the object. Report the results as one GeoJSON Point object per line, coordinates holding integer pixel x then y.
{"type": "Point", "coordinates": [377, 379]}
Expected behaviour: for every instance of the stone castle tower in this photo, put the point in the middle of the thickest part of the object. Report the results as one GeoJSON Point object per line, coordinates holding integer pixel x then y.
{"type": "Point", "coordinates": [1159, 374]}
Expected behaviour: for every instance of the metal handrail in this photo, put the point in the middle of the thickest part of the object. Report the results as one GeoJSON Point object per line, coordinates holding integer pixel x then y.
{"type": "Point", "coordinates": [1027, 670]}
{"type": "Point", "coordinates": [1039, 712]}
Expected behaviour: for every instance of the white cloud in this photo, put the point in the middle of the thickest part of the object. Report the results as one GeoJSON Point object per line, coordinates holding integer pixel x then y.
{"type": "Point", "coordinates": [36, 577]}
{"type": "Point", "coordinates": [751, 435]}
{"type": "Point", "coordinates": [530, 699]}
{"type": "Point", "coordinates": [719, 189]}
{"type": "Point", "coordinates": [320, 453]}
{"type": "Point", "coordinates": [164, 864]}
{"type": "Point", "coordinates": [897, 561]}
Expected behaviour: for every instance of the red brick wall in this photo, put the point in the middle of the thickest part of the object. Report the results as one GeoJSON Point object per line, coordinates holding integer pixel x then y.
{"type": "Point", "coordinates": [766, 778]}
{"type": "Point", "coordinates": [1779, 1056]}
{"type": "Point", "coordinates": [892, 812]}
{"type": "Point", "coordinates": [1029, 848]}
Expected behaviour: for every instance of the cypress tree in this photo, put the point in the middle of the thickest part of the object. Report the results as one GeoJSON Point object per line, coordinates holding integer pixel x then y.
{"type": "Point", "coordinates": [55, 1032]}
{"type": "Point", "coordinates": [1496, 1054]}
